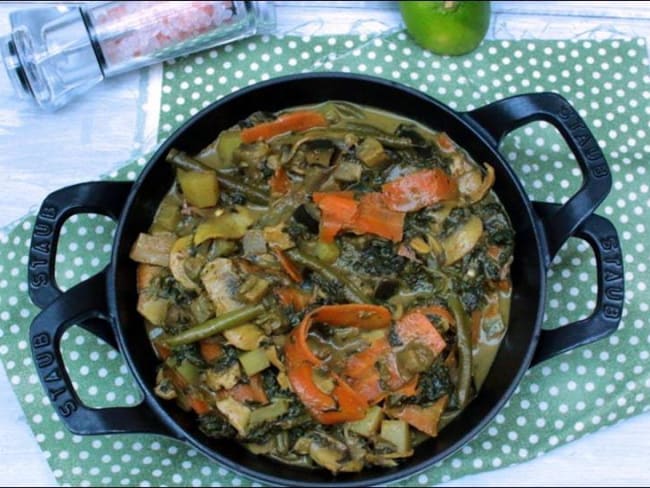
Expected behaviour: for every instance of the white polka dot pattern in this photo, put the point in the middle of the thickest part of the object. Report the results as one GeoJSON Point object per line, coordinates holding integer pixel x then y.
{"type": "Point", "coordinates": [556, 402]}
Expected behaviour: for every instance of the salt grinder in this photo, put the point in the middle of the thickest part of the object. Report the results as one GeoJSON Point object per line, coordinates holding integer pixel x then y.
{"type": "Point", "coordinates": [54, 54]}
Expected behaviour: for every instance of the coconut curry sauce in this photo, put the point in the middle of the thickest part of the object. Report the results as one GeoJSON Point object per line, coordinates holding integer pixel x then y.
{"type": "Point", "coordinates": [327, 285]}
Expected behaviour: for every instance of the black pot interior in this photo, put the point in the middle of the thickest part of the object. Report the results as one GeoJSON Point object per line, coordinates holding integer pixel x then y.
{"type": "Point", "coordinates": [528, 272]}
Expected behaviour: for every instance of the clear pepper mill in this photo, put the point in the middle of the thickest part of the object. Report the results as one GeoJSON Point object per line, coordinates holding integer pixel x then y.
{"type": "Point", "coordinates": [54, 54]}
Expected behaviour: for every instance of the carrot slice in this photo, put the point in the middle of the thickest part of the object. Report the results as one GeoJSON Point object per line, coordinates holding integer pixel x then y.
{"type": "Point", "coordinates": [296, 348]}
{"type": "Point", "coordinates": [425, 419]}
{"type": "Point", "coordinates": [414, 326]}
{"type": "Point", "coordinates": [342, 405]}
{"type": "Point", "coordinates": [288, 266]}
{"type": "Point", "coordinates": [337, 212]}
{"type": "Point", "coordinates": [351, 406]}
{"type": "Point", "coordinates": [253, 391]}
{"type": "Point", "coordinates": [362, 315]}
{"type": "Point", "coordinates": [302, 381]}
{"type": "Point", "coordinates": [364, 376]}
{"type": "Point", "coordinates": [438, 311]}
{"type": "Point", "coordinates": [293, 297]}
{"type": "Point", "coordinates": [340, 212]}
{"type": "Point", "coordinates": [361, 363]}
{"type": "Point", "coordinates": [319, 196]}
{"type": "Point", "coordinates": [163, 351]}
{"type": "Point", "coordinates": [419, 190]}
{"type": "Point", "coordinates": [369, 387]}
{"type": "Point", "coordinates": [280, 183]}
{"type": "Point", "coordinates": [210, 349]}
{"type": "Point", "coordinates": [374, 217]}
{"type": "Point", "coordinates": [410, 388]}
{"type": "Point", "coordinates": [444, 142]}
{"type": "Point", "coordinates": [199, 405]}
{"type": "Point", "coordinates": [289, 122]}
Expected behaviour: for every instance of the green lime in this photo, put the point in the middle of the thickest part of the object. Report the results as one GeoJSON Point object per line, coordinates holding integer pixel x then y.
{"type": "Point", "coordinates": [451, 28]}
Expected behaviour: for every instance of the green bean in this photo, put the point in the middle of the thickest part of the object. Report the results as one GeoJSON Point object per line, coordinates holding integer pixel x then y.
{"type": "Point", "coordinates": [183, 161]}
{"type": "Point", "coordinates": [216, 325]}
{"type": "Point", "coordinates": [350, 291]}
{"type": "Point", "coordinates": [284, 207]}
{"type": "Point", "coordinates": [464, 342]}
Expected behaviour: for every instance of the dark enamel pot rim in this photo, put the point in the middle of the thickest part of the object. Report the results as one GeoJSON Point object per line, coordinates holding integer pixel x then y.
{"type": "Point", "coordinates": [106, 303]}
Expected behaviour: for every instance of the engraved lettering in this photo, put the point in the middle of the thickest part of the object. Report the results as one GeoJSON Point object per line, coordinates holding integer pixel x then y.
{"type": "Point", "coordinates": [48, 212]}
{"type": "Point", "coordinates": [57, 392]}
{"type": "Point", "coordinates": [42, 230]}
{"type": "Point", "coordinates": [565, 111]}
{"type": "Point", "coordinates": [38, 280]}
{"type": "Point", "coordinates": [612, 311]}
{"type": "Point", "coordinates": [582, 139]}
{"type": "Point", "coordinates": [609, 243]}
{"type": "Point", "coordinates": [614, 293]}
{"type": "Point", "coordinates": [52, 376]}
{"type": "Point", "coordinates": [44, 359]}
{"type": "Point", "coordinates": [576, 125]}
{"type": "Point", "coordinates": [42, 247]}
{"type": "Point", "coordinates": [600, 170]}
{"type": "Point", "coordinates": [36, 263]}
{"type": "Point", "coordinates": [41, 340]}
{"type": "Point", "coordinates": [593, 153]}
{"type": "Point", "coordinates": [68, 408]}
{"type": "Point", "coordinates": [613, 261]}
{"type": "Point", "coordinates": [612, 275]}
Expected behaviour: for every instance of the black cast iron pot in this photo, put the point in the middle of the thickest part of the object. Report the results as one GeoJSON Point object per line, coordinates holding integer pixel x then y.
{"type": "Point", "coordinates": [106, 303]}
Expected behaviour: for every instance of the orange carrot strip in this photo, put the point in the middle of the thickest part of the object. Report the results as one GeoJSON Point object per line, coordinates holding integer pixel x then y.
{"type": "Point", "coordinates": [374, 217]}
{"type": "Point", "coordinates": [302, 381]}
{"type": "Point", "coordinates": [361, 363]}
{"type": "Point", "coordinates": [414, 326]}
{"type": "Point", "coordinates": [362, 315]}
{"type": "Point", "coordinates": [289, 122]}
{"type": "Point", "coordinates": [319, 196]}
{"type": "Point", "coordinates": [337, 212]}
{"type": "Point", "coordinates": [296, 347]}
{"type": "Point", "coordinates": [410, 388]}
{"type": "Point", "coordinates": [163, 351]}
{"type": "Point", "coordinates": [280, 183]}
{"type": "Point", "coordinates": [369, 387]}
{"type": "Point", "coordinates": [288, 266]}
{"type": "Point", "coordinates": [292, 297]}
{"type": "Point", "coordinates": [438, 311]}
{"type": "Point", "coordinates": [419, 190]}
{"type": "Point", "coordinates": [364, 376]}
{"type": "Point", "coordinates": [343, 405]}
{"type": "Point", "coordinates": [199, 405]}
{"type": "Point", "coordinates": [444, 142]}
{"type": "Point", "coordinates": [253, 391]}
{"type": "Point", "coordinates": [351, 406]}
{"type": "Point", "coordinates": [425, 419]}
{"type": "Point", "coordinates": [210, 349]}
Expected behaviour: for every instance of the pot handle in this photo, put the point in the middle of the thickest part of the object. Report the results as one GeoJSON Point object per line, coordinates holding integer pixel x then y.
{"type": "Point", "coordinates": [601, 235]}
{"type": "Point", "coordinates": [102, 197]}
{"type": "Point", "coordinates": [499, 118]}
{"type": "Point", "coordinates": [85, 301]}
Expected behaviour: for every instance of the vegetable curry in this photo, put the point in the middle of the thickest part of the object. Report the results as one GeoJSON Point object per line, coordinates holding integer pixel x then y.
{"type": "Point", "coordinates": [327, 285]}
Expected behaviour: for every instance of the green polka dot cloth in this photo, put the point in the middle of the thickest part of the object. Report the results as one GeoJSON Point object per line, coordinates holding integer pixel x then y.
{"type": "Point", "coordinates": [557, 401]}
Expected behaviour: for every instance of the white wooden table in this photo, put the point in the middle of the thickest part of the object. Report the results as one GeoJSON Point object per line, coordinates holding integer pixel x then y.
{"type": "Point", "coordinates": [43, 152]}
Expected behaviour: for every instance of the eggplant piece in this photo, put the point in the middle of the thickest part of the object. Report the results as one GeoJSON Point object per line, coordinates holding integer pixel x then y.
{"type": "Point", "coordinates": [386, 289]}
{"type": "Point", "coordinates": [302, 216]}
